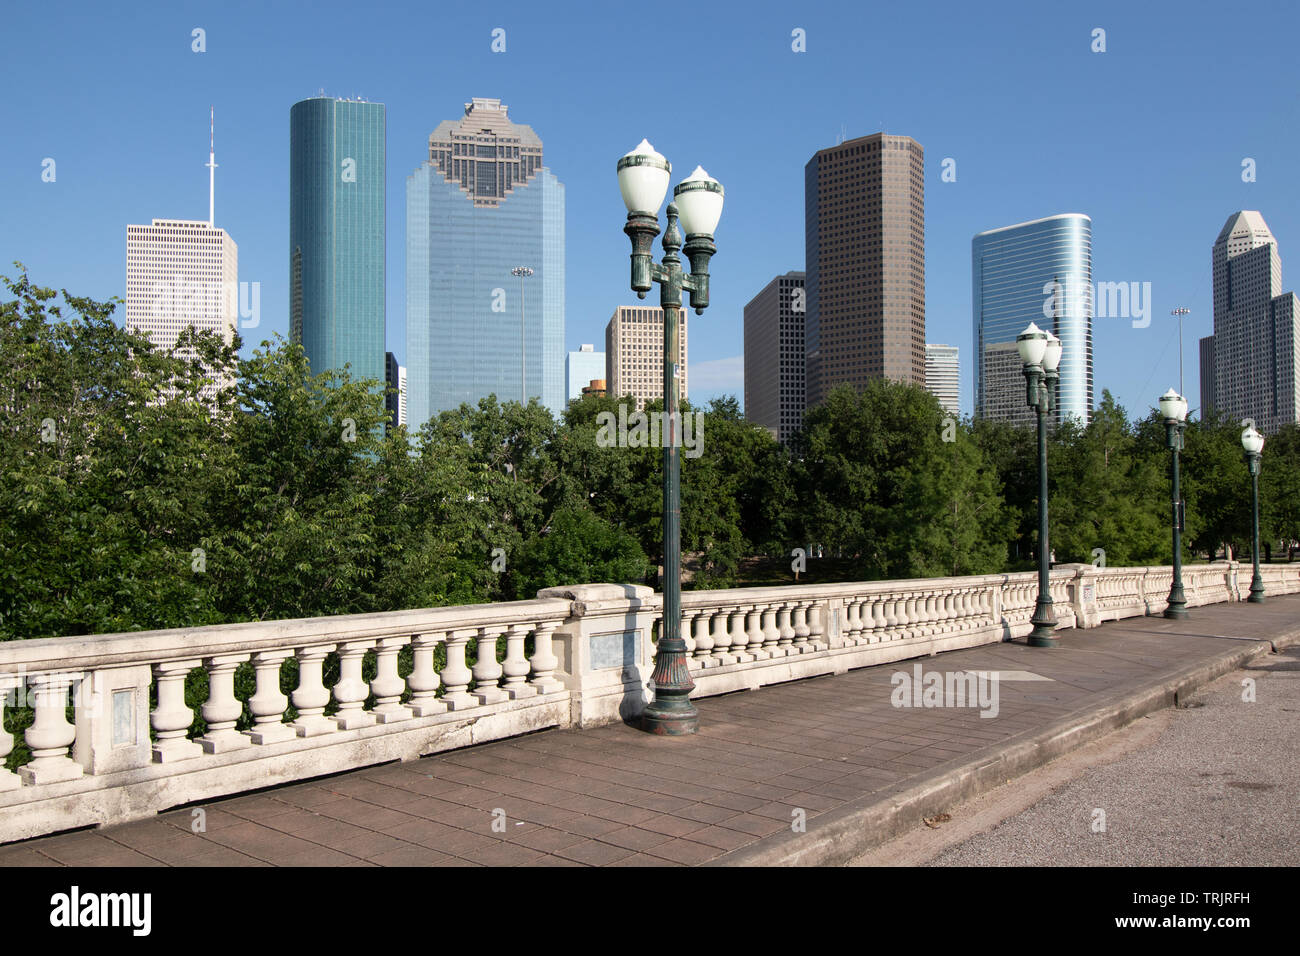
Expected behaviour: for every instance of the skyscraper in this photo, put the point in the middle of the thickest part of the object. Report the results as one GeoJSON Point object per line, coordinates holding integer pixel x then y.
{"type": "Point", "coordinates": [864, 220]}
{"type": "Point", "coordinates": [774, 356]}
{"type": "Point", "coordinates": [941, 376]}
{"type": "Point", "coordinates": [481, 205]}
{"type": "Point", "coordinates": [1041, 272]}
{"type": "Point", "coordinates": [336, 234]}
{"type": "Point", "coordinates": [634, 353]}
{"type": "Point", "coordinates": [179, 273]}
{"type": "Point", "coordinates": [395, 377]}
{"type": "Point", "coordinates": [583, 366]}
{"type": "Point", "coordinates": [1254, 354]}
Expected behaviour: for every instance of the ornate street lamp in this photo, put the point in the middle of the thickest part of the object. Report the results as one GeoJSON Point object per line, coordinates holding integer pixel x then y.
{"type": "Point", "coordinates": [1253, 442]}
{"type": "Point", "coordinates": [1041, 354]}
{"type": "Point", "coordinates": [1173, 409]}
{"type": "Point", "coordinates": [522, 272]}
{"type": "Point", "coordinates": [643, 180]}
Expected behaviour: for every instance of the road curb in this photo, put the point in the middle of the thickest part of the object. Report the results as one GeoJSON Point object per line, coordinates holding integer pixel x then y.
{"type": "Point", "coordinates": [846, 833]}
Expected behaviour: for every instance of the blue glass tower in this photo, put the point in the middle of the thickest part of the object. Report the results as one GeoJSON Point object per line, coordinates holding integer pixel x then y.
{"type": "Point", "coordinates": [336, 234]}
{"type": "Point", "coordinates": [1039, 272]}
{"type": "Point", "coordinates": [482, 205]}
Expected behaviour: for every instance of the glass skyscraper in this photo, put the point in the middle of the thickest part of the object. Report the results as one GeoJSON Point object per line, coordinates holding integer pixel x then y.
{"type": "Point", "coordinates": [1039, 271]}
{"type": "Point", "coordinates": [480, 206]}
{"type": "Point", "coordinates": [336, 234]}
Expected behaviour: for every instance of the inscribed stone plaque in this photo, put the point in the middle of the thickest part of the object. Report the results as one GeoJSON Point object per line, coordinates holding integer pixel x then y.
{"type": "Point", "coordinates": [615, 649]}
{"type": "Point", "coordinates": [123, 717]}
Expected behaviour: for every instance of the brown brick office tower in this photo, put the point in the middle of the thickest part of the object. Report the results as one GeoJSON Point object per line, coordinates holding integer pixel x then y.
{"type": "Point", "coordinates": [864, 217]}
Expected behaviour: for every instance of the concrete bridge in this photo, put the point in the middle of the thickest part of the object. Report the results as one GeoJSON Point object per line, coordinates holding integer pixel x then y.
{"type": "Point", "coordinates": [589, 669]}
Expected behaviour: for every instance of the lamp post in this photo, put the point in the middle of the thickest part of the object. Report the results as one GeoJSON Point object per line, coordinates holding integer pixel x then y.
{"type": "Point", "coordinates": [1178, 314]}
{"type": "Point", "coordinates": [1041, 354]}
{"type": "Point", "coordinates": [1253, 442]}
{"type": "Point", "coordinates": [523, 272]}
{"type": "Point", "coordinates": [1173, 408]}
{"type": "Point", "coordinates": [643, 180]}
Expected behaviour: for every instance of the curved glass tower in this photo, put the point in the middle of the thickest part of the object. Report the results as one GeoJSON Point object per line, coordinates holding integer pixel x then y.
{"type": "Point", "coordinates": [336, 234]}
{"type": "Point", "coordinates": [1039, 271]}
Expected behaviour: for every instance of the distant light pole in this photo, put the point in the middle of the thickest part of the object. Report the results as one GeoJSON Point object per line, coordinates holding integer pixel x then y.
{"type": "Point", "coordinates": [643, 180]}
{"type": "Point", "coordinates": [1041, 354]}
{"type": "Point", "coordinates": [1173, 408]}
{"type": "Point", "coordinates": [1253, 442]}
{"type": "Point", "coordinates": [1180, 313]}
{"type": "Point", "coordinates": [523, 272]}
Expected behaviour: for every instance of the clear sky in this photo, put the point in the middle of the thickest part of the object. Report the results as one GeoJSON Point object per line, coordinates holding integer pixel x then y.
{"type": "Point", "coordinates": [1147, 138]}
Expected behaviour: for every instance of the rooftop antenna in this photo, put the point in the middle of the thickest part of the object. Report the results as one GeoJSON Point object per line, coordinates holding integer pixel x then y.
{"type": "Point", "coordinates": [212, 167]}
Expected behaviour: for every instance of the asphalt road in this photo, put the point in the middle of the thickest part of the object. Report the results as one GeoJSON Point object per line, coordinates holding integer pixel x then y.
{"type": "Point", "coordinates": [1216, 782]}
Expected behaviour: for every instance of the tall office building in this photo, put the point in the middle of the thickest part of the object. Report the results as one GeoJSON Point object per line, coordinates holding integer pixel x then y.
{"type": "Point", "coordinates": [481, 206]}
{"type": "Point", "coordinates": [864, 220]}
{"type": "Point", "coordinates": [395, 377]}
{"type": "Point", "coordinates": [1040, 272]}
{"type": "Point", "coordinates": [179, 273]}
{"type": "Point", "coordinates": [583, 367]}
{"type": "Point", "coordinates": [336, 234]}
{"type": "Point", "coordinates": [941, 376]}
{"type": "Point", "coordinates": [634, 353]}
{"type": "Point", "coordinates": [774, 356]}
{"type": "Point", "coordinates": [1254, 354]}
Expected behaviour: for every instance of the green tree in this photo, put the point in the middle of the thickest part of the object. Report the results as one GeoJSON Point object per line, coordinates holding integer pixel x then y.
{"type": "Point", "coordinates": [578, 548]}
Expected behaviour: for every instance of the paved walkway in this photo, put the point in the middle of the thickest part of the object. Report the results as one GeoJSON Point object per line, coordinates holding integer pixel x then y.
{"type": "Point", "coordinates": [825, 749]}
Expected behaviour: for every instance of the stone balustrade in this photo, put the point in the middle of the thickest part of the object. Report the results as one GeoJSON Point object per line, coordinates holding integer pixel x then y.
{"type": "Point", "coordinates": [575, 656]}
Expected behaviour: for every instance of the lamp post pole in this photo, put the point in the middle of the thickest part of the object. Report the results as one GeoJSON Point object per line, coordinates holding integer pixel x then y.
{"type": "Point", "coordinates": [1179, 313]}
{"type": "Point", "coordinates": [1174, 409]}
{"type": "Point", "coordinates": [1253, 442]}
{"type": "Point", "coordinates": [1041, 353]}
{"type": "Point", "coordinates": [643, 179]}
{"type": "Point", "coordinates": [523, 272]}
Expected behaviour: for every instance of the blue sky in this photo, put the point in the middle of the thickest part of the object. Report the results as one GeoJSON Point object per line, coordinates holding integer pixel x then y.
{"type": "Point", "coordinates": [1147, 138]}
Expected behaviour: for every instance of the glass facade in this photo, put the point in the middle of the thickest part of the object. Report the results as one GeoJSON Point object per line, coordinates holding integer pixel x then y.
{"type": "Point", "coordinates": [336, 234]}
{"type": "Point", "coordinates": [1012, 274]}
{"type": "Point", "coordinates": [465, 338]}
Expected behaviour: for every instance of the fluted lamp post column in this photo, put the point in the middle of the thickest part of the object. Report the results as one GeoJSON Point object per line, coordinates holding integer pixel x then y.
{"type": "Point", "coordinates": [1173, 409]}
{"type": "Point", "coordinates": [697, 201]}
{"type": "Point", "coordinates": [1041, 354]}
{"type": "Point", "coordinates": [1253, 442]}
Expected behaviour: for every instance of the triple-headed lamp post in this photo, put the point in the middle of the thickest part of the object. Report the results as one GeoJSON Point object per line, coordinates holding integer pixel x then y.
{"type": "Point", "coordinates": [1173, 409]}
{"type": "Point", "coordinates": [1253, 442]}
{"type": "Point", "coordinates": [1041, 354]}
{"type": "Point", "coordinates": [697, 200]}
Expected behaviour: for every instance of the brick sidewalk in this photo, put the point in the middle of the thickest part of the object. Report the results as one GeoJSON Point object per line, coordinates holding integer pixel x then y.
{"type": "Point", "coordinates": [616, 796]}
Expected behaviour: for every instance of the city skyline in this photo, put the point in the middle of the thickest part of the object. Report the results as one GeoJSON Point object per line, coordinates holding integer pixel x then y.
{"type": "Point", "coordinates": [1150, 204]}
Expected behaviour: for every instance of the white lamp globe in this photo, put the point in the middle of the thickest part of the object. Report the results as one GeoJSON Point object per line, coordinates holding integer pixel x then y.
{"type": "Point", "coordinates": [643, 179]}
{"type": "Point", "coordinates": [1032, 343]}
{"type": "Point", "coordinates": [699, 203]}
{"type": "Point", "coordinates": [1052, 354]}
{"type": "Point", "coordinates": [1252, 441]}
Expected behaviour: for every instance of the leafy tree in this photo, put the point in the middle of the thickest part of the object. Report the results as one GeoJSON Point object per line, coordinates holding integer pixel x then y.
{"type": "Point", "coordinates": [578, 548]}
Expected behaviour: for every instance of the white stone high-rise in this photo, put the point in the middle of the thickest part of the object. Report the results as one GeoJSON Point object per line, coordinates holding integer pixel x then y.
{"type": "Point", "coordinates": [180, 273]}
{"type": "Point", "coordinates": [1250, 366]}
{"type": "Point", "coordinates": [941, 376]}
{"type": "Point", "coordinates": [634, 353]}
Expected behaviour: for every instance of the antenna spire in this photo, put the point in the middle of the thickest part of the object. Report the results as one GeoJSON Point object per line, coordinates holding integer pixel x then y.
{"type": "Point", "coordinates": [212, 166]}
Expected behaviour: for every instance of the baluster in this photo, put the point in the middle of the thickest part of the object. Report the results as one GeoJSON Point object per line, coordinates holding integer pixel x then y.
{"type": "Point", "coordinates": [785, 628]}
{"type": "Point", "coordinates": [222, 709]}
{"type": "Point", "coordinates": [515, 667]}
{"type": "Point", "coordinates": [172, 717]}
{"type": "Point", "coordinates": [817, 638]}
{"type": "Point", "coordinates": [852, 620]}
{"type": "Point", "coordinates": [311, 695]}
{"type": "Point", "coordinates": [876, 613]}
{"type": "Point", "coordinates": [913, 616]}
{"type": "Point", "coordinates": [799, 624]}
{"type": "Point", "coordinates": [487, 671]}
{"type": "Point", "coordinates": [740, 635]}
{"type": "Point", "coordinates": [755, 636]}
{"type": "Point", "coordinates": [544, 661]}
{"type": "Point", "coordinates": [424, 680]}
{"type": "Point", "coordinates": [704, 639]}
{"type": "Point", "coordinates": [771, 634]}
{"type": "Point", "coordinates": [388, 685]}
{"type": "Point", "coordinates": [684, 629]}
{"type": "Point", "coordinates": [891, 617]}
{"type": "Point", "coordinates": [457, 675]}
{"type": "Point", "coordinates": [268, 702]}
{"type": "Point", "coordinates": [722, 638]}
{"type": "Point", "coordinates": [9, 684]}
{"type": "Point", "coordinates": [930, 613]}
{"type": "Point", "coordinates": [351, 691]}
{"type": "Point", "coordinates": [50, 735]}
